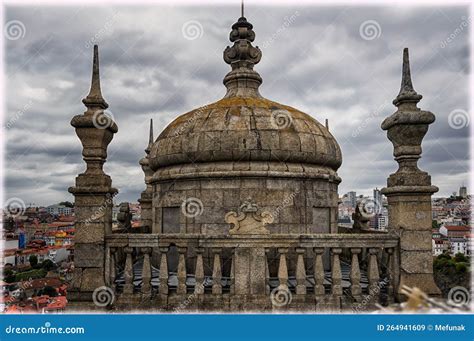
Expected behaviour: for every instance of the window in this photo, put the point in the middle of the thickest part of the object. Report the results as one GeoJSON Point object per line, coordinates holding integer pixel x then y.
{"type": "Point", "coordinates": [170, 219]}
{"type": "Point", "coordinates": [322, 219]}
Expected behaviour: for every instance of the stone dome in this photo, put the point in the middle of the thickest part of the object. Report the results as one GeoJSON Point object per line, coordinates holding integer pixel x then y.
{"type": "Point", "coordinates": [244, 126]}
{"type": "Point", "coordinates": [245, 129]}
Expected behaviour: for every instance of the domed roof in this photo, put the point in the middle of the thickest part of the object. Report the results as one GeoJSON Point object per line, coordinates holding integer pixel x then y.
{"type": "Point", "coordinates": [244, 126]}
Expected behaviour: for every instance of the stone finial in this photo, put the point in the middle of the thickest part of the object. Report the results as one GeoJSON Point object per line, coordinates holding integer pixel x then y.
{"type": "Point", "coordinates": [242, 81]}
{"type": "Point", "coordinates": [94, 99]}
{"type": "Point", "coordinates": [242, 53]}
{"type": "Point", "coordinates": [408, 125]}
{"type": "Point", "coordinates": [145, 161]}
{"type": "Point", "coordinates": [248, 221]}
{"type": "Point", "coordinates": [150, 138]}
{"type": "Point", "coordinates": [407, 94]}
{"type": "Point", "coordinates": [95, 128]}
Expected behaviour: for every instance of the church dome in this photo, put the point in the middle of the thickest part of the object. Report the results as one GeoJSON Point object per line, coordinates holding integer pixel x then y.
{"type": "Point", "coordinates": [244, 126]}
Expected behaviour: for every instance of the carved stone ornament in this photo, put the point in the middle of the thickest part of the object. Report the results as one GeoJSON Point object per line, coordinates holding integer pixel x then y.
{"type": "Point", "coordinates": [248, 221]}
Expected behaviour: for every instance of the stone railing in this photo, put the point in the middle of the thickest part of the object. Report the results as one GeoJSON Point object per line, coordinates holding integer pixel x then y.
{"type": "Point", "coordinates": [252, 272]}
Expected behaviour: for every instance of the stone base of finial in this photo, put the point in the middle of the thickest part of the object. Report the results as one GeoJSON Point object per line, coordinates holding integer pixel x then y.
{"type": "Point", "coordinates": [424, 282]}
{"type": "Point", "coordinates": [409, 190]}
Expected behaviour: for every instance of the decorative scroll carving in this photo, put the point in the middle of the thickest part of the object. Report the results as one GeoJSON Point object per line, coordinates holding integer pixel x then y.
{"type": "Point", "coordinates": [248, 221]}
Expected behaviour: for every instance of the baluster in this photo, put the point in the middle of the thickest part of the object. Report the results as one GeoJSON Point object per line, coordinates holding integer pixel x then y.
{"type": "Point", "coordinates": [181, 271]}
{"type": "Point", "coordinates": [146, 272]}
{"type": "Point", "coordinates": [267, 273]}
{"type": "Point", "coordinates": [232, 273]}
{"type": "Point", "coordinates": [112, 271]}
{"type": "Point", "coordinates": [336, 272]}
{"type": "Point", "coordinates": [373, 275]}
{"type": "Point", "coordinates": [164, 271]}
{"type": "Point", "coordinates": [107, 266]}
{"type": "Point", "coordinates": [318, 272]}
{"type": "Point", "coordinates": [283, 270]}
{"type": "Point", "coordinates": [128, 272]}
{"type": "Point", "coordinates": [199, 286]}
{"type": "Point", "coordinates": [300, 272]}
{"type": "Point", "coordinates": [356, 289]}
{"type": "Point", "coordinates": [217, 272]}
{"type": "Point", "coordinates": [390, 266]}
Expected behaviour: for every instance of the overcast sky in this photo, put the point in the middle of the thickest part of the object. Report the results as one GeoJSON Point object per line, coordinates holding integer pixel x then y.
{"type": "Point", "coordinates": [341, 63]}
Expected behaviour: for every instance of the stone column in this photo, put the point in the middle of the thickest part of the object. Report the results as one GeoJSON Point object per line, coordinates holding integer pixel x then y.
{"type": "Point", "coordinates": [409, 189]}
{"type": "Point", "coordinates": [93, 192]}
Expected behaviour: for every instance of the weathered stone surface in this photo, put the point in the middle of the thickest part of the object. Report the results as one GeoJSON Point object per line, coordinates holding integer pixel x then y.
{"type": "Point", "coordinates": [92, 278]}
{"type": "Point", "coordinates": [89, 255]}
{"type": "Point", "coordinates": [409, 189]}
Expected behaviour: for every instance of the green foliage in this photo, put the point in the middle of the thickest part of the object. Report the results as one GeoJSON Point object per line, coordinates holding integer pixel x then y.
{"type": "Point", "coordinates": [450, 271]}
{"type": "Point", "coordinates": [33, 259]}
{"type": "Point", "coordinates": [48, 265]}
{"type": "Point", "coordinates": [434, 224]}
{"type": "Point", "coordinates": [48, 290]}
{"type": "Point", "coordinates": [67, 204]}
{"type": "Point", "coordinates": [461, 267]}
{"type": "Point", "coordinates": [459, 257]}
{"type": "Point", "coordinates": [36, 273]}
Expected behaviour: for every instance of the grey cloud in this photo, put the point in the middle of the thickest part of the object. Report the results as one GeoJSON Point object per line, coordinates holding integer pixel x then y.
{"type": "Point", "coordinates": [318, 63]}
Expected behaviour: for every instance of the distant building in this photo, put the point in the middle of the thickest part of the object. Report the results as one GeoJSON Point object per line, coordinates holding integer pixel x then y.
{"type": "Point", "coordinates": [59, 210]}
{"type": "Point", "coordinates": [458, 245]}
{"type": "Point", "coordinates": [345, 222]}
{"type": "Point", "coordinates": [352, 197]}
{"type": "Point", "coordinates": [440, 246]}
{"type": "Point", "coordinates": [454, 231]}
{"type": "Point", "coordinates": [463, 192]}
{"type": "Point", "coordinates": [378, 198]}
{"type": "Point", "coordinates": [382, 222]}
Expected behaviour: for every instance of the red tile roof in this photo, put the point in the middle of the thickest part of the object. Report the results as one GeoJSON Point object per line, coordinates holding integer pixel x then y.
{"type": "Point", "coordinates": [458, 228]}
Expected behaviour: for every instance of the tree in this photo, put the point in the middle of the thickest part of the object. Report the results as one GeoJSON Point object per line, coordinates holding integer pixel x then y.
{"type": "Point", "coordinates": [33, 259]}
{"type": "Point", "coordinates": [67, 204]}
{"type": "Point", "coordinates": [450, 272]}
{"type": "Point", "coordinates": [434, 224]}
{"type": "Point", "coordinates": [50, 291]}
{"type": "Point", "coordinates": [48, 265]}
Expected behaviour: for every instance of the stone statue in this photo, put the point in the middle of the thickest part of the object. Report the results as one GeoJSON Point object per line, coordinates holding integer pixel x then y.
{"type": "Point", "coordinates": [361, 222]}
{"type": "Point", "coordinates": [124, 217]}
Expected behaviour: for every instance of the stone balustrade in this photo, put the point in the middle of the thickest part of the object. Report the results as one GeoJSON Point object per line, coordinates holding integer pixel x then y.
{"type": "Point", "coordinates": [252, 272]}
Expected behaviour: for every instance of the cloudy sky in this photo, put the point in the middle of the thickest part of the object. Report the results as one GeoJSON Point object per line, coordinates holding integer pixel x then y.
{"type": "Point", "coordinates": [341, 63]}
